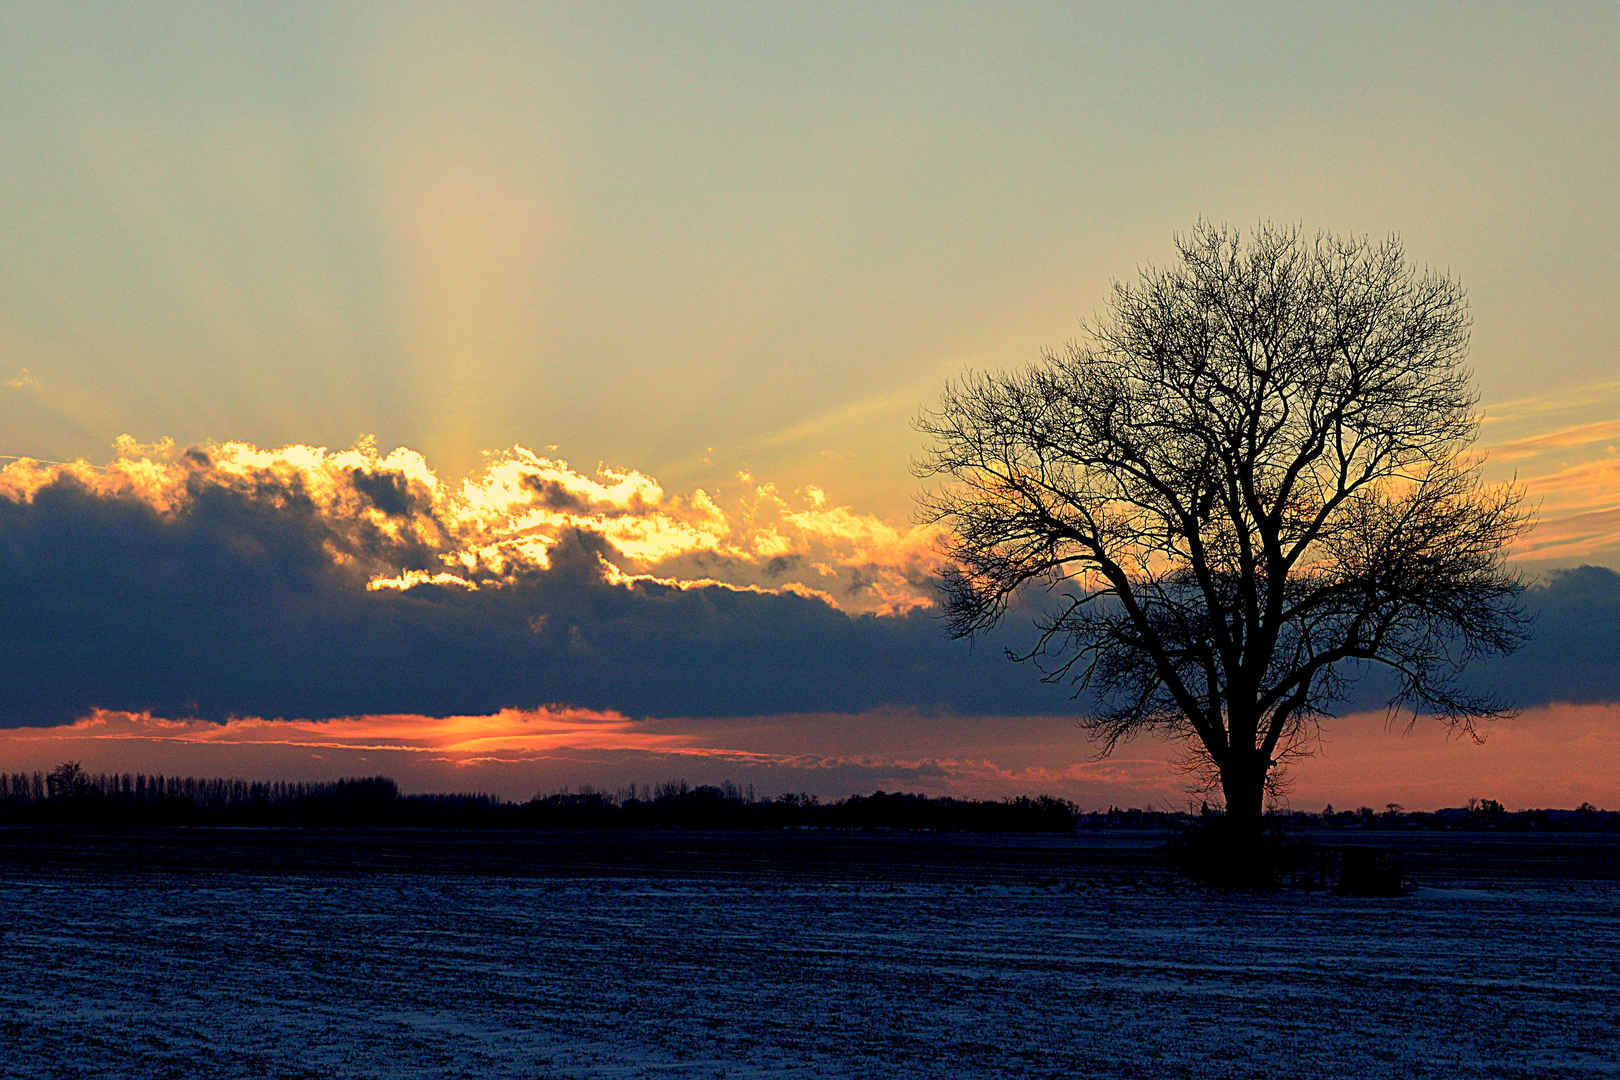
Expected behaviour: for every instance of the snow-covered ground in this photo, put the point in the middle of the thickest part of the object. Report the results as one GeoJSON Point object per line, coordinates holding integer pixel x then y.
{"type": "Point", "coordinates": [1100, 969]}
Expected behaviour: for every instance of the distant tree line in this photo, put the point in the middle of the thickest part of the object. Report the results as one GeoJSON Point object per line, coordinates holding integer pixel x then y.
{"type": "Point", "coordinates": [1477, 815]}
{"type": "Point", "coordinates": [68, 794]}
{"type": "Point", "coordinates": [1486, 814]}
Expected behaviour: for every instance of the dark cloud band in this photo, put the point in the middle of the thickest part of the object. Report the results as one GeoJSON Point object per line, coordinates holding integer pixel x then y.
{"type": "Point", "coordinates": [246, 601]}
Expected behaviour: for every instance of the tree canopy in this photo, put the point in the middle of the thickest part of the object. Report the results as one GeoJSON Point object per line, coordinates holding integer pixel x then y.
{"type": "Point", "coordinates": [1249, 483]}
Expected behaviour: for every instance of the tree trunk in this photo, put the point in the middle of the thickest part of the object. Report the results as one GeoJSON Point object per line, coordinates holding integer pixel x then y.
{"type": "Point", "coordinates": [1245, 789]}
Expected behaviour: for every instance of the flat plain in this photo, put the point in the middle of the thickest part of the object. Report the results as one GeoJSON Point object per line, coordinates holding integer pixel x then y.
{"type": "Point", "coordinates": [366, 953]}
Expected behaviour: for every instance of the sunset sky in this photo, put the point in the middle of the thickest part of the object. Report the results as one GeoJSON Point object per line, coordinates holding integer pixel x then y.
{"type": "Point", "coordinates": [518, 396]}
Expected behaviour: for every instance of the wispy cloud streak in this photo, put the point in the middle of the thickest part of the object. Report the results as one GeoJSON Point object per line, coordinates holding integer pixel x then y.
{"type": "Point", "coordinates": [1576, 436]}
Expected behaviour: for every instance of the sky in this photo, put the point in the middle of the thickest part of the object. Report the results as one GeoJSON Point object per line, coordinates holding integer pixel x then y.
{"type": "Point", "coordinates": [318, 314]}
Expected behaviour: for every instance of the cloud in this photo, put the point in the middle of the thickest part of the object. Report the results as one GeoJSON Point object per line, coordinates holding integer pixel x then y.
{"type": "Point", "coordinates": [449, 738]}
{"type": "Point", "coordinates": [1572, 399]}
{"type": "Point", "coordinates": [1577, 514]}
{"type": "Point", "coordinates": [1572, 537]}
{"type": "Point", "coordinates": [895, 403]}
{"type": "Point", "coordinates": [1570, 471]}
{"type": "Point", "coordinates": [23, 380]}
{"type": "Point", "coordinates": [1575, 436]}
{"type": "Point", "coordinates": [227, 580]}
{"type": "Point", "coordinates": [1591, 485]}
{"type": "Point", "coordinates": [1575, 637]}
{"type": "Point", "coordinates": [392, 518]}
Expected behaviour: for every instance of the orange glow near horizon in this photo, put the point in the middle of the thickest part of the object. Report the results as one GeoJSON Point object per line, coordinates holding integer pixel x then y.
{"type": "Point", "coordinates": [449, 737]}
{"type": "Point", "coordinates": [1524, 761]}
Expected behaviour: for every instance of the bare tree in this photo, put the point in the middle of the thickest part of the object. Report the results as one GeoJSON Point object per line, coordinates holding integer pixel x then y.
{"type": "Point", "coordinates": [1249, 484]}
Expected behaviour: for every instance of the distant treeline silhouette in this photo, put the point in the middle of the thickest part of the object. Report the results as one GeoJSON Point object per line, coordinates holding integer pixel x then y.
{"type": "Point", "coordinates": [1478, 814]}
{"type": "Point", "coordinates": [70, 795]}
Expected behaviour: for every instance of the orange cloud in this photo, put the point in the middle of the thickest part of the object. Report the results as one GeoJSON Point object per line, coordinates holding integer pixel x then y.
{"type": "Point", "coordinates": [400, 525]}
{"type": "Point", "coordinates": [449, 737]}
{"type": "Point", "coordinates": [1573, 474]}
{"type": "Point", "coordinates": [1587, 486]}
{"type": "Point", "coordinates": [1578, 513]}
{"type": "Point", "coordinates": [1571, 536]}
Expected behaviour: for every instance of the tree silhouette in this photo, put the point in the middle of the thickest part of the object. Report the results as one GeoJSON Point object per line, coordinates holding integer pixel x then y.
{"type": "Point", "coordinates": [67, 782]}
{"type": "Point", "coordinates": [1249, 483]}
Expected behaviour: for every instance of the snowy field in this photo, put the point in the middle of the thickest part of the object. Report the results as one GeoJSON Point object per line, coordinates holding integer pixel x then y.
{"type": "Point", "coordinates": [709, 956]}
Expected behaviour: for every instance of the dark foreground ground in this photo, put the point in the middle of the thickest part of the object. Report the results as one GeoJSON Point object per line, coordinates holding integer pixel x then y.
{"type": "Point", "coordinates": [246, 953]}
